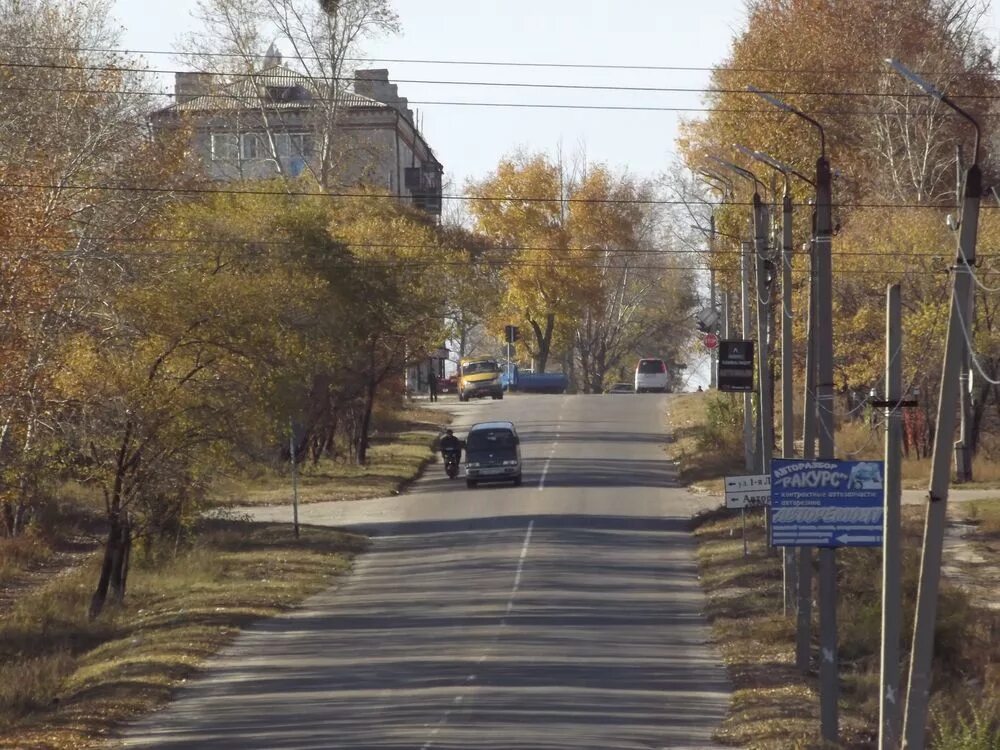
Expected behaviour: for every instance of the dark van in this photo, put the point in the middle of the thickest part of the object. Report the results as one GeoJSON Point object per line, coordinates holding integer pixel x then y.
{"type": "Point", "coordinates": [492, 454]}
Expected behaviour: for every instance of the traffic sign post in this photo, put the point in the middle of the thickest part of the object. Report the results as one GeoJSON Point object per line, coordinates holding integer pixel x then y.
{"type": "Point", "coordinates": [828, 503]}
{"type": "Point", "coordinates": [736, 366]}
{"type": "Point", "coordinates": [748, 491]}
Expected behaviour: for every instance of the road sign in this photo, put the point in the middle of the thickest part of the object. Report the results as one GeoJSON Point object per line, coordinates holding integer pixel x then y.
{"type": "Point", "coordinates": [826, 503]}
{"type": "Point", "coordinates": [750, 491]}
{"type": "Point", "coordinates": [707, 320]}
{"type": "Point", "coordinates": [735, 369]}
{"type": "Point", "coordinates": [711, 341]}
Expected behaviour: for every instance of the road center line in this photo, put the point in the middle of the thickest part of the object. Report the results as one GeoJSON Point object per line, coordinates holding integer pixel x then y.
{"type": "Point", "coordinates": [503, 622]}
{"type": "Point", "coordinates": [548, 461]}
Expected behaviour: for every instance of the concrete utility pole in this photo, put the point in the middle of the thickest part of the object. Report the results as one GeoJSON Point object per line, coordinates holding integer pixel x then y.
{"type": "Point", "coordinates": [821, 316]}
{"type": "Point", "coordinates": [761, 221]}
{"type": "Point", "coordinates": [890, 699]}
{"type": "Point", "coordinates": [963, 448]}
{"type": "Point", "coordinates": [713, 382]}
{"type": "Point", "coordinates": [915, 721]}
{"type": "Point", "coordinates": [829, 682]}
{"type": "Point", "coordinates": [748, 458]}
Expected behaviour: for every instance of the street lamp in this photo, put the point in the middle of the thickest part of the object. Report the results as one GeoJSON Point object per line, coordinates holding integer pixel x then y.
{"type": "Point", "coordinates": [775, 101]}
{"type": "Point", "coordinates": [822, 344]}
{"type": "Point", "coordinates": [932, 91]}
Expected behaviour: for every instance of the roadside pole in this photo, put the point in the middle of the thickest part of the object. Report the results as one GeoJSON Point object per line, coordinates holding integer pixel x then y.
{"type": "Point", "coordinates": [787, 417]}
{"type": "Point", "coordinates": [712, 354]}
{"type": "Point", "coordinates": [889, 710]}
{"type": "Point", "coordinates": [295, 478]}
{"type": "Point", "coordinates": [748, 431]}
{"type": "Point", "coordinates": [829, 682]}
{"type": "Point", "coordinates": [930, 563]}
{"type": "Point", "coordinates": [803, 610]}
{"type": "Point", "coordinates": [765, 416]}
{"type": "Point", "coordinates": [922, 651]}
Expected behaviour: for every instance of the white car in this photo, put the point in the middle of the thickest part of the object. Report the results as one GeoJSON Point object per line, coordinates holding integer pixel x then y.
{"type": "Point", "coordinates": [651, 376]}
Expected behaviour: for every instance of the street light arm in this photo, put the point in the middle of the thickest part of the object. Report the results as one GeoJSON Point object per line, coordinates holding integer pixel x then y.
{"type": "Point", "coordinates": [935, 93]}
{"type": "Point", "coordinates": [775, 101]}
{"type": "Point", "coordinates": [727, 184]}
{"type": "Point", "coordinates": [740, 171]}
{"type": "Point", "coordinates": [770, 161]}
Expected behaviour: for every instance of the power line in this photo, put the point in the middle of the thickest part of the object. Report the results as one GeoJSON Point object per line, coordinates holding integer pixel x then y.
{"type": "Point", "coordinates": [593, 248]}
{"type": "Point", "coordinates": [766, 111]}
{"type": "Point", "coordinates": [481, 63]}
{"type": "Point", "coordinates": [485, 198]}
{"type": "Point", "coordinates": [228, 77]}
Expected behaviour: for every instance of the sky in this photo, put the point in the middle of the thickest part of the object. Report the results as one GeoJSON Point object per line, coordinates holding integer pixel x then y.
{"type": "Point", "coordinates": [470, 140]}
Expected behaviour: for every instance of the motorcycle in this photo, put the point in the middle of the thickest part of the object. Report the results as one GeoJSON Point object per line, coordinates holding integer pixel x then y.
{"type": "Point", "coordinates": [451, 460]}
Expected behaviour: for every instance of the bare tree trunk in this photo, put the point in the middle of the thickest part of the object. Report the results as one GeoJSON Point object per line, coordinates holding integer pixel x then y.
{"type": "Point", "coordinates": [366, 421]}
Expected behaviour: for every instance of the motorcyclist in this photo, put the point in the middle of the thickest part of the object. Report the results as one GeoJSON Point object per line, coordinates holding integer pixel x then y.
{"type": "Point", "coordinates": [451, 444]}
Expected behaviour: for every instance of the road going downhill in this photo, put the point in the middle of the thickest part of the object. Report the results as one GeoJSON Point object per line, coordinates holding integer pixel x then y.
{"type": "Point", "coordinates": [563, 614]}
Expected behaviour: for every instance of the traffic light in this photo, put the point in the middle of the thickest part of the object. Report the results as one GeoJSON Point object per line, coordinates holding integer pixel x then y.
{"type": "Point", "coordinates": [511, 333]}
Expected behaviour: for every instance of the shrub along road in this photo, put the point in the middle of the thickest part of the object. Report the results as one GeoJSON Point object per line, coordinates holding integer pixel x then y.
{"type": "Point", "coordinates": [565, 613]}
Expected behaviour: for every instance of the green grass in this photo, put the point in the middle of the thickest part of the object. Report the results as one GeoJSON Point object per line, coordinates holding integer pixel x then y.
{"type": "Point", "coordinates": [66, 681]}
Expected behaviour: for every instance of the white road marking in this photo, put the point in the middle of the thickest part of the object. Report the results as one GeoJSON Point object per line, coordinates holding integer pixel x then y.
{"type": "Point", "coordinates": [548, 461]}
{"type": "Point", "coordinates": [503, 623]}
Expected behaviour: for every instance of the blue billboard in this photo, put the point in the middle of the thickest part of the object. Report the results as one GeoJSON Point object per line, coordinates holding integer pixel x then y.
{"type": "Point", "coordinates": [826, 503]}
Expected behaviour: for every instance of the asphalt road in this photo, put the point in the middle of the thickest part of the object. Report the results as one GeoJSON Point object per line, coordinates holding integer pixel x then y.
{"type": "Point", "coordinates": [563, 614]}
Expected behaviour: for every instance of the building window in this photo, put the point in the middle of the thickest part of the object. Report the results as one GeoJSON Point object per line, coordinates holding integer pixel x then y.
{"type": "Point", "coordinates": [292, 145]}
{"type": "Point", "coordinates": [225, 146]}
{"type": "Point", "coordinates": [255, 146]}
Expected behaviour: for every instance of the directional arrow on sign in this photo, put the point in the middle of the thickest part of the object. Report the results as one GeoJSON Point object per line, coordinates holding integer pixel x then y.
{"type": "Point", "coordinates": [848, 538]}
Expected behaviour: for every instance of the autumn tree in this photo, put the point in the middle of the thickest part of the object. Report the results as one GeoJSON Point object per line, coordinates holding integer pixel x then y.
{"type": "Point", "coordinates": [522, 209]}
{"type": "Point", "coordinates": [71, 130]}
{"type": "Point", "coordinates": [892, 147]}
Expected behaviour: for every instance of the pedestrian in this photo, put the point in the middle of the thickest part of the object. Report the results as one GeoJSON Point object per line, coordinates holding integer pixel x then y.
{"type": "Point", "coordinates": [432, 385]}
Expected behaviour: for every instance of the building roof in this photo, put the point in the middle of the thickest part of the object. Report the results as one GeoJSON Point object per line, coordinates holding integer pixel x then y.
{"type": "Point", "coordinates": [245, 92]}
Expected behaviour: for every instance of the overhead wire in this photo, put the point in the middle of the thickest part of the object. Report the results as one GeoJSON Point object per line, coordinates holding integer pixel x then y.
{"type": "Point", "coordinates": [765, 111]}
{"type": "Point", "coordinates": [827, 70]}
{"type": "Point", "coordinates": [456, 197]}
{"type": "Point", "coordinates": [230, 76]}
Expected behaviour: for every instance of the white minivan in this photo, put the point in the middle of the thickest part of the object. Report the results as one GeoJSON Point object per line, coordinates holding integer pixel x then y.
{"type": "Point", "coordinates": [651, 375]}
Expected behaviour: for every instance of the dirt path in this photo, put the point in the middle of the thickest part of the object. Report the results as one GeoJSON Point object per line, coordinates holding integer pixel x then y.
{"type": "Point", "coordinates": [70, 556]}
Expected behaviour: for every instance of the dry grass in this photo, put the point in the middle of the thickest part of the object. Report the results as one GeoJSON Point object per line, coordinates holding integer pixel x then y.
{"type": "Point", "coordinates": [701, 468]}
{"type": "Point", "coordinates": [66, 682]}
{"type": "Point", "coordinates": [402, 445]}
{"type": "Point", "coordinates": [775, 706]}
{"type": "Point", "coordinates": [19, 553]}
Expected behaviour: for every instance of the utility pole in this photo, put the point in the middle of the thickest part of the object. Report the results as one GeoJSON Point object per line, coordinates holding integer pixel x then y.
{"type": "Point", "coordinates": [922, 651]}
{"type": "Point", "coordinates": [761, 223]}
{"type": "Point", "coordinates": [889, 696]}
{"type": "Point", "coordinates": [829, 682]}
{"type": "Point", "coordinates": [787, 415]}
{"type": "Point", "coordinates": [803, 611]}
{"type": "Point", "coordinates": [712, 353]}
{"type": "Point", "coordinates": [963, 448]}
{"type": "Point", "coordinates": [748, 457]}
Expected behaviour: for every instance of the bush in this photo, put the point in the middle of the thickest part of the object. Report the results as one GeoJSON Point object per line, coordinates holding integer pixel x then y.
{"type": "Point", "coordinates": [723, 429]}
{"type": "Point", "coordinates": [975, 729]}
